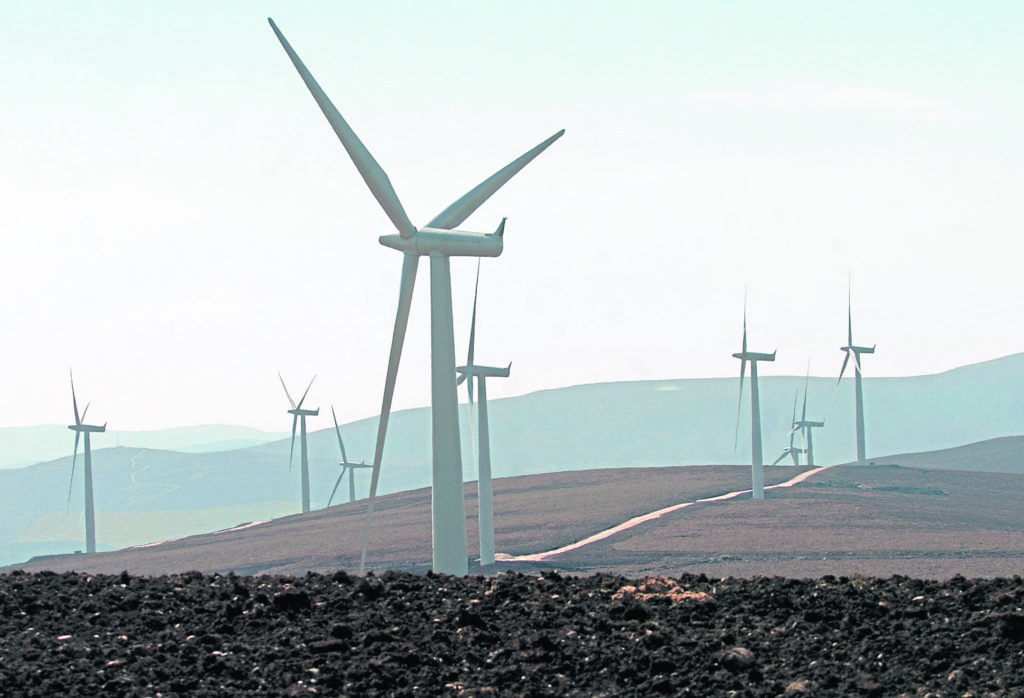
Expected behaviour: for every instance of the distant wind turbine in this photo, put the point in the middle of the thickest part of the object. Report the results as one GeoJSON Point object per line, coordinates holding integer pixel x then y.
{"type": "Point", "coordinates": [299, 417]}
{"type": "Point", "coordinates": [855, 351]}
{"type": "Point", "coordinates": [345, 466]}
{"type": "Point", "coordinates": [79, 427]}
{"type": "Point", "coordinates": [807, 426]}
{"type": "Point", "coordinates": [439, 241]}
{"type": "Point", "coordinates": [792, 451]}
{"type": "Point", "coordinates": [485, 495]}
{"type": "Point", "coordinates": [757, 458]}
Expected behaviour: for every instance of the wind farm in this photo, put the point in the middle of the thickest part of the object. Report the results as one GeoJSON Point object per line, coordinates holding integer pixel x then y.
{"type": "Point", "coordinates": [599, 521]}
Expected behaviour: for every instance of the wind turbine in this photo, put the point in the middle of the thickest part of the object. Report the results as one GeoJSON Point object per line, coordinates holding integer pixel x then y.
{"type": "Point", "coordinates": [792, 451]}
{"type": "Point", "coordinates": [299, 417]}
{"type": "Point", "coordinates": [345, 466]}
{"type": "Point", "coordinates": [757, 458]}
{"type": "Point", "coordinates": [806, 426]}
{"type": "Point", "coordinates": [485, 494]}
{"type": "Point", "coordinates": [439, 241]}
{"type": "Point", "coordinates": [855, 351]}
{"type": "Point", "coordinates": [79, 427]}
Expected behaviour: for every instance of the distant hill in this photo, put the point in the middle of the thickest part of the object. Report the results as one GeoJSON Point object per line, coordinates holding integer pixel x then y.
{"type": "Point", "coordinates": [1003, 455]}
{"type": "Point", "coordinates": [144, 495]}
{"type": "Point", "coordinates": [21, 446]}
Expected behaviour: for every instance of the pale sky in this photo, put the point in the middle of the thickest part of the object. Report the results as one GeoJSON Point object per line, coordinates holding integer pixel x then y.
{"type": "Point", "coordinates": [180, 222]}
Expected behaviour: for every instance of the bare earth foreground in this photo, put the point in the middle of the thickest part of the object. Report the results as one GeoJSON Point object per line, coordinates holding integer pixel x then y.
{"type": "Point", "coordinates": [400, 634]}
{"type": "Point", "coordinates": [537, 631]}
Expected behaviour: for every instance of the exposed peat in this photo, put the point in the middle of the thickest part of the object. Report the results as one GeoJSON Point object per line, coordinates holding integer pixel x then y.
{"type": "Point", "coordinates": [512, 634]}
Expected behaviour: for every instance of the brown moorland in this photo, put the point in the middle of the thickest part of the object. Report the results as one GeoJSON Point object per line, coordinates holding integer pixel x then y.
{"type": "Point", "coordinates": [844, 520]}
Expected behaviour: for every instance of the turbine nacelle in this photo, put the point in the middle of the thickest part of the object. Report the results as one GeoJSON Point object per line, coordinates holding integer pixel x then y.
{"type": "Point", "coordinates": [299, 412]}
{"type": "Point", "coordinates": [484, 371]}
{"type": "Point", "coordinates": [87, 427]}
{"type": "Point", "coordinates": [451, 243]}
{"type": "Point", "coordinates": [801, 423]}
{"type": "Point", "coordinates": [755, 356]}
{"type": "Point", "coordinates": [859, 350]}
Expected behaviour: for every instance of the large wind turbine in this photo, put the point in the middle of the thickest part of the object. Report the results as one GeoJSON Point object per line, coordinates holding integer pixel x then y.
{"type": "Point", "coordinates": [299, 417]}
{"type": "Point", "coordinates": [345, 466]}
{"type": "Point", "coordinates": [792, 451]}
{"type": "Point", "coordinates": [485, 494]}
{"type": "Point", "coordinates": [807, 426]}
{"type": "Point", "coordinates": [81, 428]}
{"type": "Point", "coordinates": [439, 241]}
{"type": "Point", "coordinates": [757, 458]}
{"type": "Point", "coordinates": [855, 351]}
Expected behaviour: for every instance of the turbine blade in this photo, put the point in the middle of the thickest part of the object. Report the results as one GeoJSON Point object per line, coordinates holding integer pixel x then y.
{"type": "Point", "coordinates": [739, 404]}
{"type": "Point", "coordinates": [473, 446]}
{"type": "Point", "coordinates": [807, 380]}
{"type": "Point", "coordinates": [856, 361]}
{"type": "Point", "coordinates": [784, 454]}
{"type": "Point", "coordinates": [303, 398]}
{"type": "Point", "coordinates": [374, 176]}
{"type": "Point", "coordinates": [287, 394]}
{"type": "Point", "coordinates": [341, 444]}
{"type": "Point", "coordinates": [74, 400]}
{"type": "Point", "coordinates": [796, 458]}
{"type": "Point", "coordinates": [843, 369]}
{"type": "Point", "coordinates": [336, 483]}
{"type": "Point", "coordinates": [85, 411]}
{"type": "Point", "coordinates": [461, 379]}
{"type": "Point", "coordinates": [74, 457]}
{"type": "Point", "coordinates": [409, 266]}
{"type": "Point", "coordinates": [291, 451]}
{"type": "Point", "coordinates": [472, 326]}
{"type": "Point", "coordinates": [849, 317]}
{"type": "Point", "coordinates": [472, 200]}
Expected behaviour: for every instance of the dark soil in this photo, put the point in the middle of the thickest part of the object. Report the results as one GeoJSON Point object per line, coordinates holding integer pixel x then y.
{"type": "Point", "coordinates": [512, 634]}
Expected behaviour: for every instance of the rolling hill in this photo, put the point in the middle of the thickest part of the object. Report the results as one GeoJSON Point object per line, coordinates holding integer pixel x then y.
{"type": "Point", "coordinates": [144, 495]}
{"type": "Point", "coordinates": [843, 520]}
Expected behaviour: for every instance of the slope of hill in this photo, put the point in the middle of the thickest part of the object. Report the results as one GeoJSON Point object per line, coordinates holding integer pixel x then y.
{"type": "Point", "coordinates": [879, 520]}
{"type": "Point", "coordinates": [1004, 455]}
{"type": "Point", "coordinates": [21, 446]}
{"type": "Point", "coordinates": [144, 495]}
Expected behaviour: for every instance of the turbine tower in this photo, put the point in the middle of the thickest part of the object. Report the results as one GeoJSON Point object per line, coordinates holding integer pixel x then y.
{"type": "Point", "coordinates": [757, 458]}
{"type": "Point", "coordinates": [299, 417]}
{"type": "Point", "coordinates": [79, 427]}
{"type": "Point", "coordinates": [439, 241]}
{"type": "Point", "coordinates": [485, 494]}
{"type": "Point", "coordinates": [792, 451]}
{"type": "Point", "coordinates": [855, 351]}
{"type": "Point", "coordinates": [345, 466]}
{"type": "Point", "coordinates": [807, 426]}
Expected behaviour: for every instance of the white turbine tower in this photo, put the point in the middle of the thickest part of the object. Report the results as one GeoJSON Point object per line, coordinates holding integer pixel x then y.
{"type": "Point", "coordinates": [439, 241]}
{"type": "Point", "coordinates": [299, 417]}
{"type": "Point", "coordinates": [485, 495]}
{"type": "Point", "coordinates": [757, 460]}
{"type": "Point", "coordinates": [855, 351]}
{"type": "Point", "coordinates": [350, 468]}
{"type": "Point", "coordinates": [81, 428]}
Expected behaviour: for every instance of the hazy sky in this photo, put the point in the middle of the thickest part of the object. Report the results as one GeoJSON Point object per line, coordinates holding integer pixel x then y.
{"type": "Point", "coordinates": [180, 223]}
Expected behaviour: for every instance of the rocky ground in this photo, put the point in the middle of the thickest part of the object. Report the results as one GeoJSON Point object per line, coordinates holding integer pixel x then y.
{"type": "Point", "coordinates": [511, 634]}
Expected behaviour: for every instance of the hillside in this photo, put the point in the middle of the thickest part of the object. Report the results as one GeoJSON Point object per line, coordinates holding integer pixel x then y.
{"type": "Point", "coordinates": [142, 494]}
{"type": "Point", "coordinates": [878, 520]}
{"type": "Point", "coordinates": [21, 446]}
